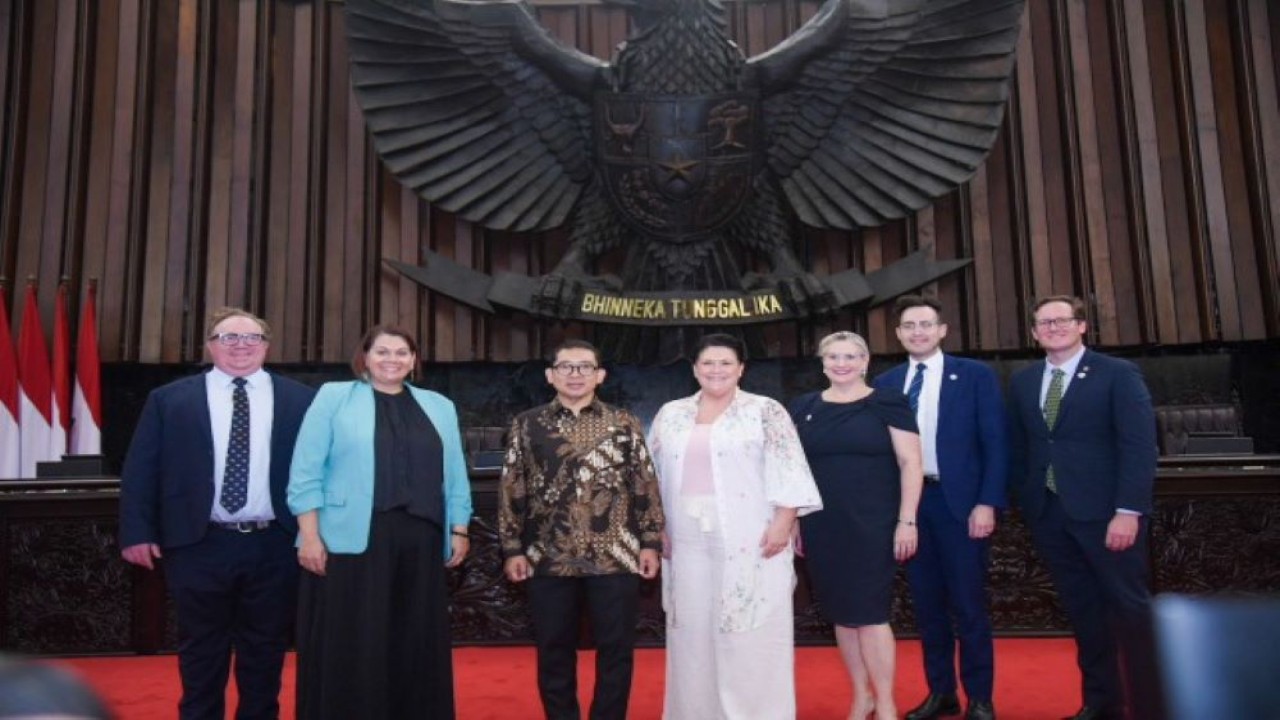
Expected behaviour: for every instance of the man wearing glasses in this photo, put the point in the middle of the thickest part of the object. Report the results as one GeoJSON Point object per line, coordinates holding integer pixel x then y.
{"type": "Point", "coordinates": [1083, 465]}
{"type": "Point", "coordinates": [580, 520]}
{"type": "Point", "coordinates": [963, 436]}
{"type": "Point", "coordinates": [203, 488]}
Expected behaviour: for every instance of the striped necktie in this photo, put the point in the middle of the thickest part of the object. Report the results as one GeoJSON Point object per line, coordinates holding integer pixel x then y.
{"type": "Point", "coordinates": [917, 384]}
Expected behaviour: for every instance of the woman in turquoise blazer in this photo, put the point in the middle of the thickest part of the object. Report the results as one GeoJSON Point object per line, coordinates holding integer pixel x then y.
{"type": "Point", "coordinates": [380, 488]}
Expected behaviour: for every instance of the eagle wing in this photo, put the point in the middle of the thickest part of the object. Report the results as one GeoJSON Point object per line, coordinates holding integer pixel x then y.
{"type": "Point", "coordinates": [475, 107]}
{"type": "Point", "coordinates": [876, 107]}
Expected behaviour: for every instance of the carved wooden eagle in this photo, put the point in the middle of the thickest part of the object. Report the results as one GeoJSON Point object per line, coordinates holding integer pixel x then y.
{"type": "Point", "coordinates": [682, 148]}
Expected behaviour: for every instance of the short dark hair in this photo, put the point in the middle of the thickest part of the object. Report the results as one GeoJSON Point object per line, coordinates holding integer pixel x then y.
{"type": "Point", "coordinates": [574, 344]}
{"type": "Point", "coordinates": [723, 340]}
{"type": "Point", "coordinates": [375, 332]}
{"type": "Point", "coordinates": [907, 302]}
{"type": "Point", "coordinates": [1078, 309]}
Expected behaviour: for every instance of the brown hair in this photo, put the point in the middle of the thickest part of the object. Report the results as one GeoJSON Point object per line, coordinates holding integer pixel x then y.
{"type": "Point", "coordinates": [366, 343]}
{"type": "Point", "coordinates": [907, 302]}
{"type": "Point", "coordinates": [1078, 308]}
{"type": "Point", "coordinates": [217, 316]}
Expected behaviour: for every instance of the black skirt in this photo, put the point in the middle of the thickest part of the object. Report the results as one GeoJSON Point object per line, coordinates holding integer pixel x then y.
{"type": "Point", "coordinates": [373, 633]}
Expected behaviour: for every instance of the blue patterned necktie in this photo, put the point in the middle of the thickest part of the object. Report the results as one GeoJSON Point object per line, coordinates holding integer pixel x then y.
{"type": "Point", "coordinates": [235, 476]}
{"type": "Point", "coordinates": [917, 384]}
{"type": "Point", "coordinates": [1052, 402]}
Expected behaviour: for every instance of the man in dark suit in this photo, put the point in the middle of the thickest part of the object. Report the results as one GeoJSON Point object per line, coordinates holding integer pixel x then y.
{"type": "Point", "coordinates": [1083, 465]}
{"type": "Point", "coordinates": [963, 436]}
{"type": "Point", "coordinates": [204, 487]}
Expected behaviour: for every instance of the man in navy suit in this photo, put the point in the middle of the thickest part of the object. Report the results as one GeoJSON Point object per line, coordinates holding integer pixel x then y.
{"type": "Point", "coordinates": [1083, 466]}
{"type": "Point", "coordinates": [963, 436]}
{"type": "Point", "coordinates": [204, 487]}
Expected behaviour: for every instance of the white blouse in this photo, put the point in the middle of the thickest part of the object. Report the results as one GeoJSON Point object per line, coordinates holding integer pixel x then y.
{"type": "Point", "coordinates": [757, 465]}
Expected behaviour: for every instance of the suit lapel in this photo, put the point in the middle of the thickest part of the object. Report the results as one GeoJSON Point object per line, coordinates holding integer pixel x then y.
{"type": "Point", "coordinates": [201, 411]}
{"type": "Point", "coordinates": [947, 389]}
{"type": "Point", "coordinates": [1076, 388]}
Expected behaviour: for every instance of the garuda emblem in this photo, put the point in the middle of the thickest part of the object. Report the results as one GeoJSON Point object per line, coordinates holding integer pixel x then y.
{"type": "Point", "coordinates": [682, 150]}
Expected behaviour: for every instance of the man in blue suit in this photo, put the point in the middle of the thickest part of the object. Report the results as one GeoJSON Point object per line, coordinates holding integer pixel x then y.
{"type": "Point", "coordinates": [1083, 466]}
{"type": "Point", "coordinates": [203, 488]}
{"type": "Point", "coordinates": [963, 436]}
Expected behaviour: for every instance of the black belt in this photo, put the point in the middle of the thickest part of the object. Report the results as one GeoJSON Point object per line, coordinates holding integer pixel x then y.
{"type": "Point", "coordinates": [244, 526]}
{"type": "Point", "coordinates": [932, 479]}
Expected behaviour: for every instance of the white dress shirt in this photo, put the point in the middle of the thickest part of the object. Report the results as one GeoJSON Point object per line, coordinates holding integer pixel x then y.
{"type": "Point", "coordinates": [220, 387]}
{"type": "Point", "coordinates": [927, 409]}
{"type": "Point", "coordinates": [1069, 371]}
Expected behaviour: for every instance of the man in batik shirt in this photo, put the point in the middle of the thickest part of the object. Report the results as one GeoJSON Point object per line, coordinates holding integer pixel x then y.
{"type": "Point", "coordinates": [580, 519]}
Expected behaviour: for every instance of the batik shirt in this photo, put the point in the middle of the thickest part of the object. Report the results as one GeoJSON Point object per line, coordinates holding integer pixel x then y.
{"type": "Point", "coordinates": [578, 494]}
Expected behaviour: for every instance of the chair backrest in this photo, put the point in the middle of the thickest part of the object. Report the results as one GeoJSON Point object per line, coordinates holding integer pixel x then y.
{"type": "Point", "coordinates": [1219, 657]}
{"type": "Point", "coordinates": [1176, 422]}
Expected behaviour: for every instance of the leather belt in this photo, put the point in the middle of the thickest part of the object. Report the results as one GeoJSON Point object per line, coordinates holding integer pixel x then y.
{"type": "Point", "coordinates": [244, 526]}
{"type": "Point", "coordinates": [932, 479]}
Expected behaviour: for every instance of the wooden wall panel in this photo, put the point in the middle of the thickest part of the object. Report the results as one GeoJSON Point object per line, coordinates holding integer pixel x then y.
{"type": "Point", "coordinates": [194, 153]}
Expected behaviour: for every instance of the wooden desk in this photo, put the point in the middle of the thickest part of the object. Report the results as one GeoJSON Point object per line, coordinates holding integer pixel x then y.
{"type": "Point", "coordinates": [65, 590]}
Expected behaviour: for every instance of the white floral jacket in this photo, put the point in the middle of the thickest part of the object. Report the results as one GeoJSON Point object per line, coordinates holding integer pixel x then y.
{"type": "Point", "coordinates": [757, 465]}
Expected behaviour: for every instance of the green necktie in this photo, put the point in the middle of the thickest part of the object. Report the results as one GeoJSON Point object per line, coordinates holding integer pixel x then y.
{"type": "Point", "coordinates": [1052, 401]}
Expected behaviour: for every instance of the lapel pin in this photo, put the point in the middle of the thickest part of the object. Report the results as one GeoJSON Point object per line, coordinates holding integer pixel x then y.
{"type": "Point", "coordinates": [953, 376]}
{"type": "Point", "coordinates": [808, 417]}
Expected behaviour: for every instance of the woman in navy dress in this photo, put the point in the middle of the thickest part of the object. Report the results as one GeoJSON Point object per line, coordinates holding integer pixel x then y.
{"type": "Point", "coordinates": [864, 450]}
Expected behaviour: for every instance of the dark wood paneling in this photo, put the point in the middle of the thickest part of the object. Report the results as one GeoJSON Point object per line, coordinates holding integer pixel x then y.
{"type": "Point", "coordinates": [193, 153]}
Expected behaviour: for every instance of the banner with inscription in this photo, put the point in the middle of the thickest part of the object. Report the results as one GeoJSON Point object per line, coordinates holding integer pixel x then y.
{"type": "Point", "coordinates": [771, 304]}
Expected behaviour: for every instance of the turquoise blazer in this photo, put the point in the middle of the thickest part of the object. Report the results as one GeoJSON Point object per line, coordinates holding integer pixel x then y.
{"type": "Point", "coordinates": [332, 471]}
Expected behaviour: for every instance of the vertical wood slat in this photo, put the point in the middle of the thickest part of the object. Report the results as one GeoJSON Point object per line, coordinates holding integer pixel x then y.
{"type": "Point", "coordinates": [1132, 317]}
{"type": "Point", "coordinates": [1089, 205]}
{"type": "Point", "coordinates": [155, 257]}
{"type": "Point", "coordinates": [34, 173]}
{"type": "Point", "coordinates": [1181, 218]}
{"type": "Point", "coordinates": [337, 251]}
{"type": "Point", "coordinates": [1229, 49]}
{"type": "Point", "coordinates": [225, 160]}
{"type": "Point", "coordinates": [1143, 173]}
{"type": "Point", "coordinates": [1265, 110]}
{"type": "Point", "coordinates": [1033, 171]}
{"type": "Point", "coordinates": [1210, 201]}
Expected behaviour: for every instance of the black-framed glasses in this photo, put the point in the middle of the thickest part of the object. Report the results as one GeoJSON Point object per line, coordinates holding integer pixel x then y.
{"type": "Point", "coordinates": [567, 369]}
{"type": "Point", "coordinates": [1058, 322]}
{"type": "Point", "coordinates": [231, 338]}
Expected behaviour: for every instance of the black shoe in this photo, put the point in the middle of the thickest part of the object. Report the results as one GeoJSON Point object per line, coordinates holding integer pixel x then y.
{"type": "Point", "coordinates": [935, 706]}
{"type": "Point", "coordinates": [980, 711]}
{"type": "Point", "coordinates": [1092, 713]}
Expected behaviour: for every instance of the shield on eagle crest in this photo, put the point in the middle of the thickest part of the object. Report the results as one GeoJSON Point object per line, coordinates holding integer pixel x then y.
{"type": "Point", "coordinates": [677, 166]}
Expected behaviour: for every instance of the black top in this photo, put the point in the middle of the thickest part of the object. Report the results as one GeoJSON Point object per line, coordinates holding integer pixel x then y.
{"type": "Point", "coordinates": [408, 458]}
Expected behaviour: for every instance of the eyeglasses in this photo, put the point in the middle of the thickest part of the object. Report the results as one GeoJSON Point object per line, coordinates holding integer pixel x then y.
{"type": "Point", "coordinates": [567, 369]}
{"type": "Point", "coordinates": [246, 339]}
{"type": "Point", "coordinates": [925, 325]}
{"type": "Point", "coordinates": [1060, 323]}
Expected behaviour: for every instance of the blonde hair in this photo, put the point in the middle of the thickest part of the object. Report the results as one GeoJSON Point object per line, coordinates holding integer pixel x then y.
{"type": "Point", "coordinates": [843, 336]}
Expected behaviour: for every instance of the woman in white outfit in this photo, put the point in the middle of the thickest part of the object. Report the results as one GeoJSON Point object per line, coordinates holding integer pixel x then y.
{"type": "Point", "coordinates": [733, 479]}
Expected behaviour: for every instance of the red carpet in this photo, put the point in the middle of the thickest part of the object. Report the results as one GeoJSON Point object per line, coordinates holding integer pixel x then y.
{"type": "Point", "coordinates": [1035, 679]}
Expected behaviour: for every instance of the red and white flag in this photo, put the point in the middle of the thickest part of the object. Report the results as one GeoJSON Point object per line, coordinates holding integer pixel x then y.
{"type": "Point", "coordinates": [10, 443]}
{"type": "Point", "coordinates": [60, 421]}
{"type": "Point", "coordinates": [86, 404]}
{"type": "Point", "coordinates": [36, 397]}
